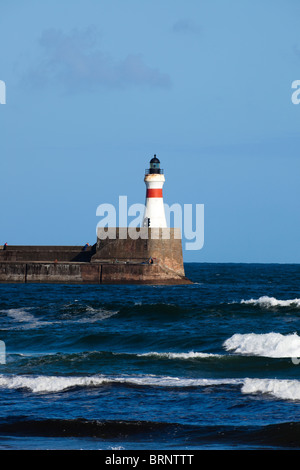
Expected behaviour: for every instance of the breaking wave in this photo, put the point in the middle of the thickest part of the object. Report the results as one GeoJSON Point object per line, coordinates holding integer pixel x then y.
{"type": "Point", "coordinates": [269, 302]}
{"type": "Point", "coordinates": [283, 389]}
{"type": "Point", "coordinates": [182, 355]}
{"type": "Point", "coordinates": [267, 345]}
{"type": "Point", "coordinates": [42, 384]}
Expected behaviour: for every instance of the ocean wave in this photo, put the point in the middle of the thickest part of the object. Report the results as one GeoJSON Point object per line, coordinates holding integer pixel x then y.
{"type": "Point", "coordinates": [22, 319]}
{"type": "Point", "coordinates": [42, 384]}
{"type": "Point", "coordinates": [96, 314]}
{"type": "Point", "coordinates": [80, 427]}
{"type": "Point", "coordinates": [280, 435]}
{"type": "Point", "coordinates": [269, 302]}
{"type": "Point", "coordinates": [154, 310]}
{"type": "Point", "coordinates": [273, 345]}
{"type": "Point", "coordinates": [282, 389]}
{"type": "Point", "coordinates": [181, 355]}
{"type": "Point", "coordinates": [90, 361]}
{"type": "Point", "coordinates": [79, 312]}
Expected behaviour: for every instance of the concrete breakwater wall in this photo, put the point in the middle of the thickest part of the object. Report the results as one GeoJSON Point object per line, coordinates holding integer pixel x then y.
{"type": "Point", "coordinates": [153, 258]}
{"type": "Point", "coordinates": [13, 253]}
{"type": "Point", "coordinates": [85, 273]}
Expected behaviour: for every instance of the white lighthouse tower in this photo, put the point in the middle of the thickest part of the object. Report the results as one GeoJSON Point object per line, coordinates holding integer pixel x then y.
{"type": "Point", "coordinates": [154, 212]}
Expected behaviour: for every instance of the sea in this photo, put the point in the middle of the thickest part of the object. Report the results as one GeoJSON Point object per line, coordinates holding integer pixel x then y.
{"type": "Point", "coordinates": [214, 365]}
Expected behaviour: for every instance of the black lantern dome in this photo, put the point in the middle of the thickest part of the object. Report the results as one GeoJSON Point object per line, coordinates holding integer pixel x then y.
{"type": "Point", "coordinates": [154, 166]}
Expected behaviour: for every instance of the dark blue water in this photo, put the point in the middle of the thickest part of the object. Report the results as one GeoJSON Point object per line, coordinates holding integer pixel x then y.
{"type": "Point", "coordinates": [213, 365]}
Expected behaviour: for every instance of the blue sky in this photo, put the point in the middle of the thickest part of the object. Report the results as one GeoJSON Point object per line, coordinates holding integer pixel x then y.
{"type": "Point", "coordinates": [94, 88]}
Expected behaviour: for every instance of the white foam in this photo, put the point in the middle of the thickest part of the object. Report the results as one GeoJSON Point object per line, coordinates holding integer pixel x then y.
{"type": "Point", "coordinates": [267, 345]}
{"type": "Point", "coordinates": [283, 389]}
{"type": "Point", "coordinates": [46, 383]}
{"type": "Point", "coordinates": [39, 384]}
{"type": "Point", "coordinates": [268, 302]}
{"type": "Point", "coordinates": [19, 314]}
{"type": "Point", "coordinates": [165, 381]}
{"type": "Point", "coordinates": [95, 315]}
{"type": "Point", "coordinates": [182, 355]}
{"type": "Point", "coordinates": [22, 319]}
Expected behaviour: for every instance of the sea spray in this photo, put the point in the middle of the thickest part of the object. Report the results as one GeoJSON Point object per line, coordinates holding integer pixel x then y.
{"type": "Point", "coordinates": [267, 344]}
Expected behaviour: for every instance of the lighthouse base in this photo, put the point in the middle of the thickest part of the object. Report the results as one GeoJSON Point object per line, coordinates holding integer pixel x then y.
{"type": "Point", "coordinates": [153, 254]}
{"type": "Point", "coordinates": [120, 256]}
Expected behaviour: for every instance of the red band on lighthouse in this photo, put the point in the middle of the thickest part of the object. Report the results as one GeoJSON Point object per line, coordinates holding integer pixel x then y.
{"type": "Point", "coordinates": [154, 192]}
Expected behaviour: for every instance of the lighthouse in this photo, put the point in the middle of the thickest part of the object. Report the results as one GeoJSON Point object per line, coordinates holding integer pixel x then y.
{"type": "Point", "coordinates": [154, 215]}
